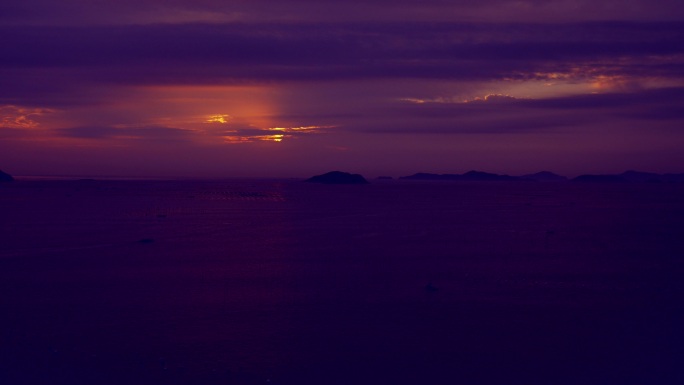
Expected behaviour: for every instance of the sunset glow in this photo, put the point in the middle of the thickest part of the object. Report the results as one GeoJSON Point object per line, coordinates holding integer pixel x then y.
{"type": "Point", "coordinates": [447, 86]}
{"type": "Point", "coordinates": [21, 117]}
{"type": "Point", "coordinates": [336, 192]}
{"type": "Point", "coordinates": [254, 138]}
{"type": "Point", "coordinates": [218, 119]}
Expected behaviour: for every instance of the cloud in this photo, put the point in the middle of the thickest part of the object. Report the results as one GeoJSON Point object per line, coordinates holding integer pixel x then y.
{"type": "Point", "coordinates": [17, 117]}
{"type": "Point", "coordinates": [12, 133]}
{"type": "Point", "coordinates": [496, 124]}
{"type": "Point", "coordinates": [154, 73]}
{"type": "Point", "coordinates": [273, 134]}
{"type": "Point", "coordinates": [655, 96]}
{"type": "Point", "coordinates": [506, 114]}
{"type": "Point", "coordinates": [69, 12]}
{"type": "Point", "coordinates": [153, 133]}
{"type": "Point", "coordinates": [238, 53]}
{"type": "Point", "coordinates": [650, 104]}
{"type": "Point", "coordinates": [493, 98]}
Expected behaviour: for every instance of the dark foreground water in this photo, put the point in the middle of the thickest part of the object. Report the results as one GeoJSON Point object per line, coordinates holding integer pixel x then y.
{"type": "Point", "coordinates": [282, 282]}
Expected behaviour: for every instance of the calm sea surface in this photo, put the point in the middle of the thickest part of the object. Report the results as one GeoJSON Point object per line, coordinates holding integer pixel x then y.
{"type": "Point", "coordinates": [284, 282]}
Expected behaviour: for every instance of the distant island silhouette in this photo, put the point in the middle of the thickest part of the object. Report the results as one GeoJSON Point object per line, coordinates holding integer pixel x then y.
{"type": "Point", "coordinates": [547, 176]}
{"type": "Point", "coordinates": [600, 179]}
{"type": "Point", "coordinates": [5, 177]}
{"type": "Point", "coordinates": [469, 176]}
{"type": "Point", "coordinates": [338, 177]}
{"type": "Point", "coordinates": [632, 176]}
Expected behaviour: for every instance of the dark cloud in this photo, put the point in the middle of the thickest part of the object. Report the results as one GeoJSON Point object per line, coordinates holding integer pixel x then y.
{"type": "Point", "coordinates": [243, 133]}
{"type": "Point", "coordinates": [235, 53]}
{"type": "Point", "coordinates": [504, 114]}
{"type": "Point", "coordinates": [11, 133]}
{"type": "Point", "coordinates": [657, 96]}
{"type": "Point", "coordinates": [172, 11]}
{"type": "Point", "coordinates": [127, 133]}
{"type": "Point", "coordinates": [492, 125]}
{"type": "Point", "coordinates": [55, 87]}
{"type": "Point", "coordinates": [645, 97]}
{"type": "Point", "coordinates": [656, 113]}
{"type": "Point", "coordinates": [239, 131]}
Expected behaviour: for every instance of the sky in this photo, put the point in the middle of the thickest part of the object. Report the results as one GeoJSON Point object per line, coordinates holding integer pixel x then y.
{"type": "Point", "coordinates": [293, 88]}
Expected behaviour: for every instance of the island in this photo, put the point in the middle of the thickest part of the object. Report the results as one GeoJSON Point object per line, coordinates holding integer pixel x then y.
{"type": "Point", "coordinates": [5, 177]}
{"type": "Point", "coordinates": [545, 176]}
{"type": "Point", "coordinates": [338, 177]}
{"type": "Point", "coordinates": [469, 176]}
{"type": "Point", "coordinates": [606, 178]}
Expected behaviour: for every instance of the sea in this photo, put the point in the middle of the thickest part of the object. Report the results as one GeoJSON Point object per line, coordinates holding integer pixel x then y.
{"type": "Point", "coordinates": [260, 281]}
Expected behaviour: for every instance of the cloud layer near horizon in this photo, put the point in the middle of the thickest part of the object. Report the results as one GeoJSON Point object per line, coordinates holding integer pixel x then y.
{"type": "Point", "coordinates": [548, 83]}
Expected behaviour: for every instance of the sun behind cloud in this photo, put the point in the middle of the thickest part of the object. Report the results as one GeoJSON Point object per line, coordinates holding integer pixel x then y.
{"type": "Point", "coordinates": [222, 118]}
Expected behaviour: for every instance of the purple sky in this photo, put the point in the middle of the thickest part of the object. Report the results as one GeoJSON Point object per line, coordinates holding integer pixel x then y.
{"type": "Point", "coordinates": [284, 88]}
